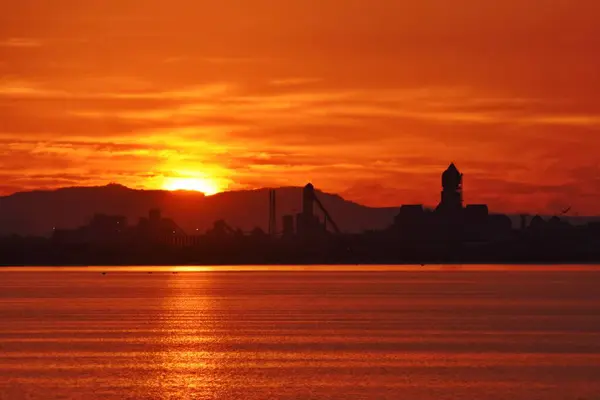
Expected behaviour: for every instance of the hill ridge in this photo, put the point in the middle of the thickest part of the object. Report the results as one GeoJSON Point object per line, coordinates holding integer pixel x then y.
{"type": "Point", "coordinates": [38, 212]}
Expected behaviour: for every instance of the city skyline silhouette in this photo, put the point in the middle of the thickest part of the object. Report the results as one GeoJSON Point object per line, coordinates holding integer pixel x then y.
{"type": "Point", "coordinates": [314, 233]}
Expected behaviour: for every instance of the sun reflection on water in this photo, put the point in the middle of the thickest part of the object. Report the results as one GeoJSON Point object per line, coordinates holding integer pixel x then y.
{"type": "Point", "coordinates": [187, 361]}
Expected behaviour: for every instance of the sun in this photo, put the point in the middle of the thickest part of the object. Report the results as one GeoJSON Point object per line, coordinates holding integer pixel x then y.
{"type": "Point", "coordinates": [204, 185]}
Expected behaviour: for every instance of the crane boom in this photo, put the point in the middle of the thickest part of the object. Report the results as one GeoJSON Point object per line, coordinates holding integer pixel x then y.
{"type": "Point", "coordinates": [327, 216]}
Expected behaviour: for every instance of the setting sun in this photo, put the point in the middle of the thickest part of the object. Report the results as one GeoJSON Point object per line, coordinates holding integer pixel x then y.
{"type": "Point", "coordinates": [204, 185]}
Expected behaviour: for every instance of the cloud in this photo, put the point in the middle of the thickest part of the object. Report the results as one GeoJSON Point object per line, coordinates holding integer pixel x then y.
{"type": "Point", "coordinates": [21, 43]}
{"type": "Point", "coordinates": [294, 81]}
{"type": "Point", "coordinates": [21, 89]}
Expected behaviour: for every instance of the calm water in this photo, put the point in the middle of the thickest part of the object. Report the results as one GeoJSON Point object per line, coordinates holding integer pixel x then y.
{"type": "Point", "coordinates": [405, 333]}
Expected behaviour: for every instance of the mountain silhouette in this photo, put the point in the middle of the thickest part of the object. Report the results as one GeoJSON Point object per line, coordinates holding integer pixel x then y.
{"type": "Point", "coordinates": [39, 212]}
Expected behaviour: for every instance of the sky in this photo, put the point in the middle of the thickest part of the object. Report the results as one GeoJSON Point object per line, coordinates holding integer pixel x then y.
{"type": "Point", "coordinates": [370, 99]}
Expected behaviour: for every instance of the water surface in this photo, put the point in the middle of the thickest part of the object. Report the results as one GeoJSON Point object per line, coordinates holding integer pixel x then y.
{"type": "Point", "coordinates": [477, 332]}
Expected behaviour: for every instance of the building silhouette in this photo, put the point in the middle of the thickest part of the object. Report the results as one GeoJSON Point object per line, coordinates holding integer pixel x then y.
{"type": "Point", "coordinates": [449, 232]}
{"type": "Point", "coordinates": [451, 198]}
{"type": "Point", "coordinates": [451, 221]}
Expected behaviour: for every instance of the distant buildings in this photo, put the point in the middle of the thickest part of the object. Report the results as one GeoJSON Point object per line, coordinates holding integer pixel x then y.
{"type": "Point", "coordinates": [113, 229]}
{"type": "Point", "coordinates": [450, 232]}
{"type": "Point", "coordinates": [451, 220]}
{"type": "Point", "coordinates": [102, 229]}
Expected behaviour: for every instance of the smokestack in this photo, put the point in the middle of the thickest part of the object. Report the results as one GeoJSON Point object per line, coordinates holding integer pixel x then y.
{"type": "Point", "coordinates": [308, 198]}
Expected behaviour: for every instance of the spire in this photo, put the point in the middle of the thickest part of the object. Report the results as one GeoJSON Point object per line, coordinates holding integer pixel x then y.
{"type": "Point", "coordinates": [452, 168]}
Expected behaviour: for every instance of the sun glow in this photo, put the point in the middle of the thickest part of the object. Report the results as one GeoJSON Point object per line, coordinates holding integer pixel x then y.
{"type": "Point", "coordinates": [204, 185]}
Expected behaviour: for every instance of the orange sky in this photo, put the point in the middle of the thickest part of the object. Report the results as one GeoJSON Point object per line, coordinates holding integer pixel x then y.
{"type": "Point", "coordinates": [367, 98]}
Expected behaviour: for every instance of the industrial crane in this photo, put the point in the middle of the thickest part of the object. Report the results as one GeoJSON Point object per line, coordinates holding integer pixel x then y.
{"type": "Point", "coordinates": [327, 216]}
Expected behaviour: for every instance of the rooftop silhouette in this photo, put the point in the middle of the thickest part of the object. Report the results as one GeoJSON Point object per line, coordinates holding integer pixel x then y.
{"type": "Point", "coordinates": [314, 229]}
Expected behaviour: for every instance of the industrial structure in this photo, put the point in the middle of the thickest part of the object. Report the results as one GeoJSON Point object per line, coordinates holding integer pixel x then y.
{"type": "Point", "coordinates": [308, 223]}
{"type": "Point", "coordinates": [449, 220]}
{"type": "Point", "coordinates": [449, 231]}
